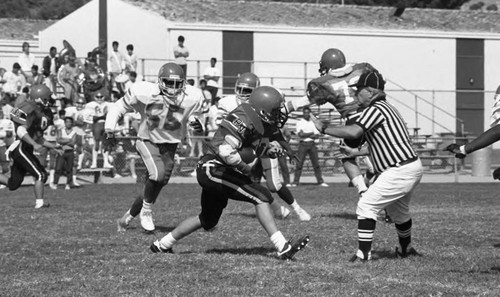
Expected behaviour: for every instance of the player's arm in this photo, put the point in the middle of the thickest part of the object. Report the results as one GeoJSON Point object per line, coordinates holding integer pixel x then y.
{"type": "Point", "coordinates": [59, 138]}
{"type": "Point", "coordinates": [228, 151]}
{"type": "Point", "coordinates": [349, 131]}
{"type": "Point", "coordinates": [486, 138]}
{"type": "Point", "coordinates": [118, 109]}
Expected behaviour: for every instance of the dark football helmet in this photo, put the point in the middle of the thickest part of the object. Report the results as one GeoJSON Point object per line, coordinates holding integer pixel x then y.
{"type": "Point", "coordinates": [172, 81]}
{"type": "Point", "coordinates": [269, 104]}
{"type": "Point", "coordinates": [245, 85]}
{"type": "Point", "coordinates": [41, 95]}
{"type": "Point", "coordinates": [332, 58]}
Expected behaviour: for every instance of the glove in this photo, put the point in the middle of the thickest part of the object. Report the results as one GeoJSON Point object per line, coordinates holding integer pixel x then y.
{"type": "Point", "coordinates": [496, 173]}
{"type": "Point", "coordinates": [455, 149]}
{"type": "Point", "coordinates": [274, 150]}
{"type": "Point", "coordinates": [196, 125]}
{"type": "Point", "coordinates": [319, 91]}
{"type": "Point", "coordinates": [110, 140]}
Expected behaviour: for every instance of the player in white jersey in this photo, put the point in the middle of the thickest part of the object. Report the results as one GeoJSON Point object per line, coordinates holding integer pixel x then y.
{"type": "Point", "coordinates": [165, 109]}
{"type": "Point", "coordinates": [6, 138]}
{"type": "Point", "coordinates": [99, 108]}
{"type": "Point", "coordinates": [267, 167]}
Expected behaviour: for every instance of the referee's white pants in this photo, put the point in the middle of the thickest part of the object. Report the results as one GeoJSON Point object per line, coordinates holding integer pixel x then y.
{"type": "Point", "coordinates": [392, 190]}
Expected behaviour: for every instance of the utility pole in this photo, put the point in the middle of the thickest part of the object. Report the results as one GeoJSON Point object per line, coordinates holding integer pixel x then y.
{"type": "Point", "coordinates": [103, 34]}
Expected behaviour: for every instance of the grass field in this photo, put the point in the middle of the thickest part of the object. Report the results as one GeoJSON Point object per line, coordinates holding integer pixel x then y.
{"type": "Point", "coordinates": [73, 249]}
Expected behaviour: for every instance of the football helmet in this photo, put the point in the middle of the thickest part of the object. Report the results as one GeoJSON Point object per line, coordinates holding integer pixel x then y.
{"type": "Point", "coordinates": [269, 104]}
{"type": "Point", "coordinates": [41, 95]}
{"type": "Point", "coordinates": [332, 58]}
{"type": "Point", "coordinates": [245, 84]}
{"type": "Point", "coordinates": [99, 97]}
{"type": "Point", "coordinates": [80, 103]}
{"type": "Point", "coordinates": [171, 80]}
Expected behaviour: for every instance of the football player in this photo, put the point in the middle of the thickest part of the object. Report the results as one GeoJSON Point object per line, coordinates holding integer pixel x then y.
{"type": "Point", "coordinates": [30, 118]}
{"type": "Point", "coordinates": [165, 109]}
{"type": "Point", "coordinates": [99, 109]}
{"type": "Point", "coordinates": [333, 86]}
{"type": "Point", "coordinates": [267, 167]}
{"type": "Point", "coordinates": [223, 174]}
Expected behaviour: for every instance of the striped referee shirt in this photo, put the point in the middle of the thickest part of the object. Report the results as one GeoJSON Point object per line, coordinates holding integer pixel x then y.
{"type": "Point", "coordinates": [386, 134]}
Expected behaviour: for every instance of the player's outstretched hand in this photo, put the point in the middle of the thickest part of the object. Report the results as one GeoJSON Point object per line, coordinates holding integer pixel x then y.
{"type": "Point", "coordinates": [455, 149]}
{"type": "Point", "coordinates": [496, 173]}
{"type": "Point", "coordinates": [317, 122]}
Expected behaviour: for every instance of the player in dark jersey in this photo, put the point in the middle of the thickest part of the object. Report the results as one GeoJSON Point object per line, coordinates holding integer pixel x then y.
{"type": "Point", "coordinates": [31, 118]}
{"type": "Point", "coordinates": [333, 87]}
{"type": "Point", "coordinates": [224, 172]}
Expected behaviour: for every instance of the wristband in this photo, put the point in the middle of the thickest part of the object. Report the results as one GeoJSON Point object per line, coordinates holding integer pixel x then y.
{"type": "Point", "coordinates": [462, 149]}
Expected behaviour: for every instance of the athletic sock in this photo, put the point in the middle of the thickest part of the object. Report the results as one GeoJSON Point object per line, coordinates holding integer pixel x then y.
{"type": "Point", "coordinates": [128, 217]}
{"type": "Point", "coordinates": [167, 241]}
{"type": "Point", "coordinates": [359, 183]}
{"type": "Point", "coordinates": [278, 240]}
{"type": "Point", "coordinates": [38, 202]}
{"type": "Point", "coordinates": [366, 228]}
{"type": "Point", "coordinates": [286, 195]}
{"type": "Point", "coordinates": [295, 206]}
{"type": "Point", "coordinates": [146, 206]}
{"type": "Point", "coordinates": [404, 234]}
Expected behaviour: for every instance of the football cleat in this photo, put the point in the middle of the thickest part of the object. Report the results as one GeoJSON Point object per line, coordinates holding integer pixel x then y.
{"type": "Point", "coordinates": [44, 205]}
{"type": "Point", "coordinates": [147, 220]}
{"type": "Point", "coordinates": [290, 249]}
{"type": "Point", "coordinates": [121, 225]}
{"type": "Point", "coordinates": [156, 248]}
{"type": "Point", "coordinates": [303, 215]}
{"type": "Point", "coordinates": [360, 256]}
{"type": "Point", "coordinates": [53, 186]}
{"type": "Point", "coordinates": [409, 252]}
{"type": "Point", "coordinates": [282, 212]}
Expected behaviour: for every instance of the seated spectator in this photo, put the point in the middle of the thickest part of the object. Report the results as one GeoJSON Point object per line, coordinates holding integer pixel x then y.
{"type": "Point", "coordinates": [14, 82]}
{"type": "Point", "coordinates": [35, 78]}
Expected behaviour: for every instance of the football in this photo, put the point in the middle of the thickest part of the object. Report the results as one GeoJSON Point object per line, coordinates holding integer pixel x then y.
{"type": "Point", "coordinates": [247, 154]}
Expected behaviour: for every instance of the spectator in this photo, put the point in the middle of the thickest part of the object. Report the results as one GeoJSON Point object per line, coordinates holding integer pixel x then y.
{"type": "Point", "coordinates": [2, 81]}
{"type": "Point", "coordinates": [212, 76]}
{"type": "Point", "coordinates": [181, 53]}
{"type": "Point", "coordinates": [308, 135]}
{"type": "Point", "coordinates": [50, 67]}
{"type": "Point", "coordinates": [69, 74]}
{"type": "Point", "coordinates": [22, 97]}
{"type": "Point", "coordinates": [26, 60]}
{"type": "Point", "coordinates": [14, 82]}
{"type": "Point", "coordinates": [66, 137]}
{"type": "Point", "coordinates": [116, 65]}
{"type": "Point", "coordinates": [190, 82]}
{"type": "Point", "coordinates": [36, 78]}
{"type": "Point", "coordinates": [130, 59]}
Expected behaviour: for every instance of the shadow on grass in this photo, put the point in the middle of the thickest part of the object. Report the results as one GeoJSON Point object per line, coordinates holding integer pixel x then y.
{"type": "Point", "coordinates": [342, 215]}
{"type": "Point", "coordinates": [385, 254]}
{"type": "Point", "coordinates": [242, 251]}
{"type": "Point", "coordinates": [164, 229]}
{"type": "Point", "coordinates": [496, 245]}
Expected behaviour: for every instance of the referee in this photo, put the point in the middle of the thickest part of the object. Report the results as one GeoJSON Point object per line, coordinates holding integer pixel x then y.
{"type": "Point", "coordinates": [398, 167]}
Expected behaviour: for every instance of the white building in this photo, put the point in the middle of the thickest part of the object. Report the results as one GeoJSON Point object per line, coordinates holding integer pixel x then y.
{"type": "Point", "coordinates": [424, 64]}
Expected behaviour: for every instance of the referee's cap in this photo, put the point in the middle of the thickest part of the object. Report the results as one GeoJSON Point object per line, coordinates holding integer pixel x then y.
{"type": "Point", "coordinates": [370, 79]}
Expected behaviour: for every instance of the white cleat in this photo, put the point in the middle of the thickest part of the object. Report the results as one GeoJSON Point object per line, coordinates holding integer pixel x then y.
{"type": "Point", "coordinates": [282, 212]}
{"type": "Point", "coordinates": [52, 186]}
{"type": "Point", "coordinates": [147, 220]}
{"type": "Point", "coordinates": [303, 215]}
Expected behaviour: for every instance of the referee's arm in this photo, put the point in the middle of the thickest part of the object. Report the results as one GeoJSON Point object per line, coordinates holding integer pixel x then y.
{"type": "Point", "coordinates": [349, 131]}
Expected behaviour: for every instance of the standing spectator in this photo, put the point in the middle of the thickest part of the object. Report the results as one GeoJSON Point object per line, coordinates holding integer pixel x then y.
{"type": "Point", "coordinates": [26, 60]}
{"type": "Point", "coordinates": [308, 135]}
{"type": "Point", "coordinates": [14, 82]}
{"type": "Point", "coordinates": [130, 59]}
{"type": "Point", "coordinates": [181, 53]}
{"type": "Point", "coordinates": [68, 78]}
{"type": "Point", "coordinates": [36, 78]}
{"type": "Point", "coordinates": [212, 76]}
{"type": "Point", "coordinates": [396, 162]}
{"type": "Point", "coordinates": [116, 63]}
{"type": "Point", "coordinates": [50, 67]}
{"type": "Point", "coordinates": [66, 137]}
